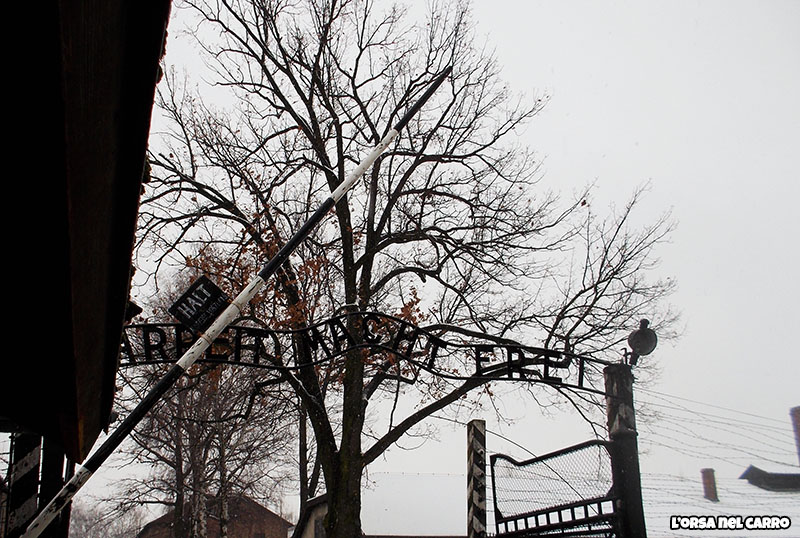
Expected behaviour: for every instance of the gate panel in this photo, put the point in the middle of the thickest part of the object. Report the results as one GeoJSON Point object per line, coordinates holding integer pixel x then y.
{"type": "Point", "coordinates": [569, 492]}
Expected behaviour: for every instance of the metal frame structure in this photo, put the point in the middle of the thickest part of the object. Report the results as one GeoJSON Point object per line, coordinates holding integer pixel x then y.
{"type": "Point", "coordinates": [595, 516]}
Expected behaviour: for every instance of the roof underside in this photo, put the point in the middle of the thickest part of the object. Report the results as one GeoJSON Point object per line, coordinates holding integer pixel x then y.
{"type": "Point", "coordinates": [82, 118]}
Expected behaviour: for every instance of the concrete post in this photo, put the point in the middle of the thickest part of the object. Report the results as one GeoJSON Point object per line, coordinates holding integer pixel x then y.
{"type": "Point", "coordinates": [624, 449]}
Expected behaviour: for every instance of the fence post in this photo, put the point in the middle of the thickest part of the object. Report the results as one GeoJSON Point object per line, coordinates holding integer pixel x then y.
{"type": "Point", "coordinates": [624, 449]}
{"type": "Point", "coordinates": [23, 482]}
{"type": "Point", "coordinates": [52, 478]}
{"type": "Point", "coordinates": [476, 479]}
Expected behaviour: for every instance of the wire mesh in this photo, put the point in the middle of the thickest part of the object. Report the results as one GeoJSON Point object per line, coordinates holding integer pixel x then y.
{"type": "Point", "coordinates": [560, 490]}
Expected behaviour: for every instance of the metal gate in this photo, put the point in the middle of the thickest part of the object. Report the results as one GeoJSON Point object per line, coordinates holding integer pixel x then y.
{"type": "Point", "coordinates": [566, 493]}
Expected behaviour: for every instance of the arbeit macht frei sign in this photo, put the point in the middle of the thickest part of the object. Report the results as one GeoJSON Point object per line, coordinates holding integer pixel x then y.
{"type": "Point", "coordinates": [252, 343]}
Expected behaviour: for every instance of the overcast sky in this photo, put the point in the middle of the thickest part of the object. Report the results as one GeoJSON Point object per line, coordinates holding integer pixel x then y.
{"type": "Point", "coordinates": [700, 100]}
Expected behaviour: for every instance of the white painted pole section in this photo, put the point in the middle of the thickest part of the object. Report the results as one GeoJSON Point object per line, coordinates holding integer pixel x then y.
{"type": "Point", "coordinates": [49, 513]}
{"type": "Point", "coordinates": [228, 315]}
{"type": "Point", "coordinates": [362, 167]}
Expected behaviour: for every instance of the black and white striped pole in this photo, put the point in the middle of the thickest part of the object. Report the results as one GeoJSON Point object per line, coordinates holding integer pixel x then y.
{"type": "Point", "coordinates": [476, 479]}
{"type": "Point", "coordinates": [90, 466]}
{"type": "Point", "coordinates": [23, 478]}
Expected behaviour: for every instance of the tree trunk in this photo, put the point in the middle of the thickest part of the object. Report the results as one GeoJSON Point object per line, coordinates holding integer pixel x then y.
{"type": "Point", "coordinates": [223, 516]}
{"type": "Point", "coordinates": [223, 491]}
{"type": "Point", "coordinates": [344, 487]}
{"type": "Point", "coordinates": [198, 515]}
{"type": "Point", "coordinates": [179, 517]}
{"type": "Point", "coordinates": [344, 504]}
{"type": "Point", "coordinates": [178, 526]}
{"type": "Point", "coordinates": [303, 457]}
{"type": "Point", "coordinates": [199, 509]}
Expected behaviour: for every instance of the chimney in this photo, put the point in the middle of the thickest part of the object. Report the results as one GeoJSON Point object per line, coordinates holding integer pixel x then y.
{"type": "Point", "coordinates": [709, 485]}
{"type": "Point", "coordinates": [795, 413]}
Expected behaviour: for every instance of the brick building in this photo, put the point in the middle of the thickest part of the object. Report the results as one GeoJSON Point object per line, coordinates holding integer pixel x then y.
{"type": "Point", "coordinates": [246, 519]}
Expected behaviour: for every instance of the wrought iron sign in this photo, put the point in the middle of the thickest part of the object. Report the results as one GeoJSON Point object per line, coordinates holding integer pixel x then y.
{"type": "Point", "coordinates": [250, 343]}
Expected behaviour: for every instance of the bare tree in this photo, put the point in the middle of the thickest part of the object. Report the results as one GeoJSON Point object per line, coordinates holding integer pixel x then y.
{"type": "Point", "coordinates": [94, 522]}
{"type": "Point", "coordinates": [448, 229]}
{"type": "Point", "coordinates": [209, 438]}
{"type": "Point", "coordinates": [219, 432]}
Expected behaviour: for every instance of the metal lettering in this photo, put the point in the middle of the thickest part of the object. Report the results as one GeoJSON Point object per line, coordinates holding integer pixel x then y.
{"type": "Point", "coordinates": [126, 350]}
{"type": "Point", "coordinates": [434, 342]}
{"type": "Point", "coordinates": [403, 336]}
{"type": "Point", "coordinates": [151, 347]}
{"type": "Point", "coordinates": [262, 348]}
{"type": "Point", "coordinates": [339, 334]}
{"type": "Point", "coordinates": [184, 338]}
{"type": "Point", "coordinates": [367, 333]}
{"type": "Point", "coordinates": [518, 366]}
{"type": "Point", "coordinates": [481, 358]}
{"type": "Point", "coordinates": [314, 339]}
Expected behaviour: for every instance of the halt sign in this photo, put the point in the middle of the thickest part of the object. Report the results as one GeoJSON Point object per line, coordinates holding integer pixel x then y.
{"type": "Point", "coordinates": [200, 305]}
